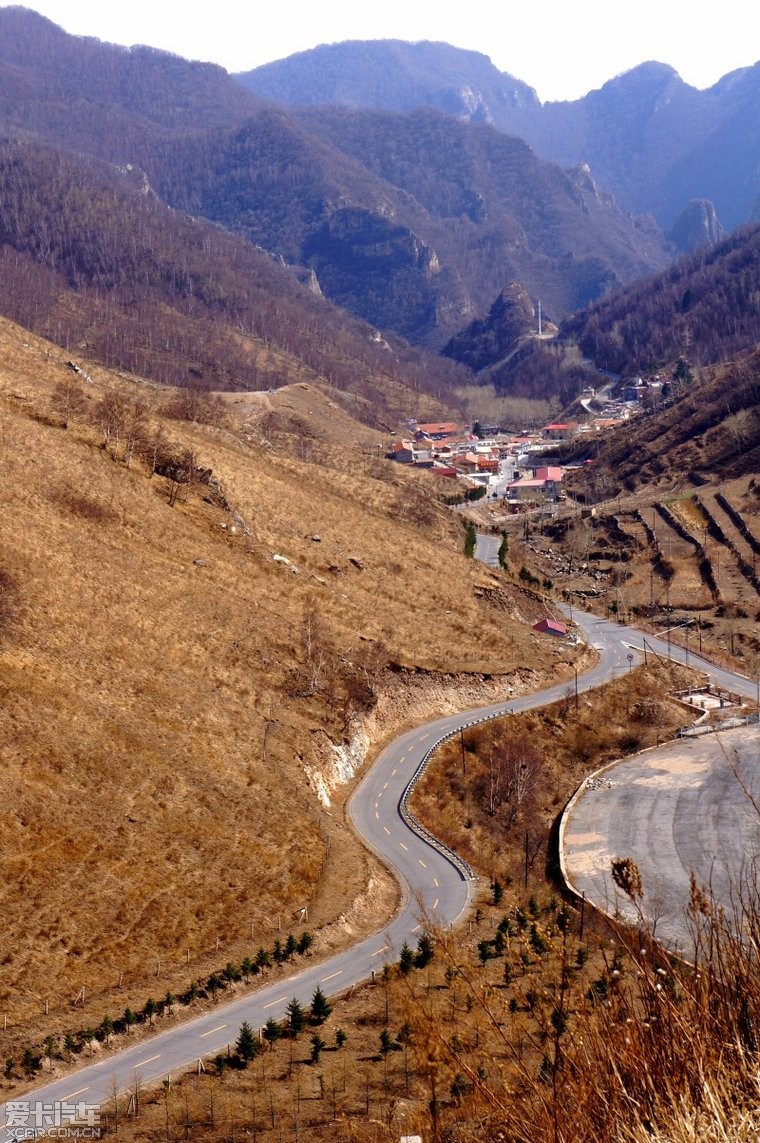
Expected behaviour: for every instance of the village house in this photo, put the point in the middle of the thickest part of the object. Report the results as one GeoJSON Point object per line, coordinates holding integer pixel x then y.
{"type": "Point", "coordinates": [526, 488]}
{"type": "Point", "coordinates": [560, 431]}
{"type": "Point", "coordinates": [544, 484]}
{"type": "Point", "coordinates": [407, 452]}
{"type": "Point", "coordinates": [436, 431]}
{"type": "Point", "coordinates": [550, 627]}
{"type": "Point", "coordinates": [403, 452]}
{"type": "Point", "coordinates": [439, 469]}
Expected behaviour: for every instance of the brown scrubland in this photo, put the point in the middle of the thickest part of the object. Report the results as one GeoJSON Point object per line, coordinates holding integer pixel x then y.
{"type": "Point", "coordinates": [202, 600]}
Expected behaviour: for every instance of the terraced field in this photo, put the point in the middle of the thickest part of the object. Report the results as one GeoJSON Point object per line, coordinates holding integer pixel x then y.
{"type": "Point", "coordinates": [690, 559]}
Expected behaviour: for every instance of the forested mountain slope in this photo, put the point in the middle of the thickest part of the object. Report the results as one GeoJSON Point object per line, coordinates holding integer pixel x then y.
{"type": "Point", "coordinates": [92, 258]}
{"type": "Point", "coordinates": [650, 139]}
{"type": "Point", "coordinates": [706, 307]}
{"type": "Point", "coordinates": [416, 237]}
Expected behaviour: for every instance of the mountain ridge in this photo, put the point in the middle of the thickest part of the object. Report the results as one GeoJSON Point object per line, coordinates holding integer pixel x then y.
{"type": "Point", "coordinates": [374, 233]}
{"type": "Point", "coordinates": [686, 126]}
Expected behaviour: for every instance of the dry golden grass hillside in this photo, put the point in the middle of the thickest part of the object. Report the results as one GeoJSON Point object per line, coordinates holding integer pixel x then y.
{"type": "Point", "coordinates": [173, 690]}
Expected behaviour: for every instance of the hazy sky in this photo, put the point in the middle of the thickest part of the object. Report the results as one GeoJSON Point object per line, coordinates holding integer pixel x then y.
{"type": "Point", "coordinates": [562, 49]}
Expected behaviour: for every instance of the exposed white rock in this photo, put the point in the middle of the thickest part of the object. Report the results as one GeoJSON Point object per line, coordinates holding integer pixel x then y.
{"type": "Point", "coordinates": [347, 759]}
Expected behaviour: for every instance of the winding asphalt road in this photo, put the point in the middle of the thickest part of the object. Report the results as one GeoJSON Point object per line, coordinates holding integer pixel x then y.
{"type": "Point", "coordinates": [435, 885]}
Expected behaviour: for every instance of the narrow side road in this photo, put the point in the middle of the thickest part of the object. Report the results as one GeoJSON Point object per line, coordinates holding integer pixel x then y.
{"type": "Point", "coordinates": [686, 807]}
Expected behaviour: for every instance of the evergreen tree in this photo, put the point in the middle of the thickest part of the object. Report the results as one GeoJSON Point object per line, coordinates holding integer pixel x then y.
{"type": "Point", "coordinates": [341, 1038]}
{"type": "Point", "coordinates": [459, 1088]}
{"type": "Point", "coordinates": [317, 1044]}
{"type": "Point", "coordinates": [682, 374]}
{"type": "Point", "coordinates": [503, 551]}
{"type": "Point", "coordinates": [272, 1031]}
{"type": "Point", "coordinates": [424, 951]}
{"type": "Point", "coordinates": [296, 1016]}
{"type": "Point", "coordinates": [320, 1007]}
{"type": "Point", "coordinates": [305, 942]}
{"type": "Point", "coordinates": [387, 1043]}
{"type": "Point", "coordinates": [188, 996]}
{"type": "Point", "coordinates": [246, 1044]}
{"type": "Point", "coordinates": [485, 951]}
{"type": "Point", "coordinates": [406, 960]}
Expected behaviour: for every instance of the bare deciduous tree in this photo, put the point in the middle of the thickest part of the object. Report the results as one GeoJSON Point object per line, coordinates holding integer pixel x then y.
{"type": "Point", "coordinates": [309, 675]}
{"type": "Point", "coordinates": [68, 400]}
{"type": "Point", "coordinates": [510, 776]}
{"type": "Point", "coordinates": [135, 428]}
{"type": "Point", "coordinates": [110, 416]}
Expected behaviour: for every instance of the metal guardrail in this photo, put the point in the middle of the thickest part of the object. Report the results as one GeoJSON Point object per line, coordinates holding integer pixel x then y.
{"type": "Point", "coordinates": [459, 863]}
{"type": "Point", "coordinates": [715, 727]}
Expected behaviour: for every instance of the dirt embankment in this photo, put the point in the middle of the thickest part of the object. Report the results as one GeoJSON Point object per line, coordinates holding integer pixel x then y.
{"type": "Point", "coordinates": [408, 698]}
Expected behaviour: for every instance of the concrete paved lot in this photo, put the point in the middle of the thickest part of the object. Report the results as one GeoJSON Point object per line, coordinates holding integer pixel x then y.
{"type": "Point", "coordinates": [690, 805]}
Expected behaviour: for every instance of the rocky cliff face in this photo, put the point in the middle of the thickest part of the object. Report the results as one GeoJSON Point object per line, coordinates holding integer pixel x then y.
{"type": "Point", "coordinates": [378, 268]}
{"type": "Point", "coordinates": [486, 340]}
{"type": "Point", "coordinates": [697, 225]}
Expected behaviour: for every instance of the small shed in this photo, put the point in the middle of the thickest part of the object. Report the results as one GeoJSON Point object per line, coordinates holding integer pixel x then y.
{"type": "Point", "coordinates": [550, 627]}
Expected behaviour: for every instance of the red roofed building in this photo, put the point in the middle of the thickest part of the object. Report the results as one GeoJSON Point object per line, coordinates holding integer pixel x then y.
{"type": "Point", "coordinates": [561, 430]}
{"type": "Point", "coordinates": [549, 472]}
{"type": "Point", "coordinates": [436, 431]}
{"type": "Point", "coordinates": [550, 627]}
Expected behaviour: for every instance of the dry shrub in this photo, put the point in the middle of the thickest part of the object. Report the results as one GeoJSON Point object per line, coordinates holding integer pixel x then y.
{"type": "Point", "coordinates": [196, 405]}
{"type": "Point", "coordinates": [647, 710]}
{"type": "Point", "coordinates": [86, 508]}
{"type": "Point", "coordinates": [10, 602]}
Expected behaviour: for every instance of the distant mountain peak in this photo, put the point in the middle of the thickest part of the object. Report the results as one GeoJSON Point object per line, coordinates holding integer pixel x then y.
{"type": "Point", "coordinates": [649, 70]}
{"type": "Point", "coordinates": [393, 75]}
